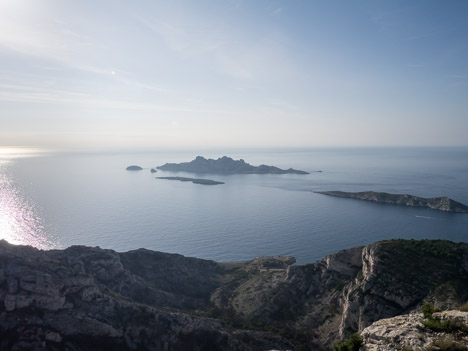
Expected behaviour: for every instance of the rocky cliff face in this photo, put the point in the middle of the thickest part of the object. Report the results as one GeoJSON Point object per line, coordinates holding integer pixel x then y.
{"type": "Point", "coordinates": [86, 298]}
{"type": "Point", "coordinates": [320, 303]}
{"type": "Point", "coordinates": [406, 332]}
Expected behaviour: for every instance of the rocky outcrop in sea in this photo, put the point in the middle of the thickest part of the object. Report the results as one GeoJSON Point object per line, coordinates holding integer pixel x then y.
{"type": "Point", "coordinates": [193, 180]}
{"type": "Point", "coordinates": [134, 168]}
{"type": "Point", "coordinates": [436, 203]}
{"type": "Point", "coordinates": [225, 165]}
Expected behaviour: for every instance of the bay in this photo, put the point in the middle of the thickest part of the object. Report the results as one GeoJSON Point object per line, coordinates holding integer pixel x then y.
{"type": "Point", "coordinates": [54, 200]}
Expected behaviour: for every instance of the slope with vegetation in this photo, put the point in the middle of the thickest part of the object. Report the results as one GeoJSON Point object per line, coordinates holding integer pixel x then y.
{"type": "Point", "coordinates": [142, 299]}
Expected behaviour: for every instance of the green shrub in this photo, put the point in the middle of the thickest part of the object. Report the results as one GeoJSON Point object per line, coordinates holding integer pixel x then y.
{"type": "Point", "coordinates": [448, 343]}
{"type": "Point", "coordinates": [464, 307]}
{"type": "Point", "coordinates": [428, 310]}
{"type": "Point", "coordinates": [445, 326]}
{"type": "Point", "coordinates": [353, 343]}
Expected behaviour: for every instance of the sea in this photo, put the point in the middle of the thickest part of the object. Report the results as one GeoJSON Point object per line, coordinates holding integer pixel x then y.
{"type": "Point", "coordinates": [53, 199]}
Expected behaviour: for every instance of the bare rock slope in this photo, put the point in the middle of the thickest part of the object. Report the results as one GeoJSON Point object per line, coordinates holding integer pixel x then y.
{"type": "Point", "coordinates": [84, 298]}
{"type": "Point", "coordinates": [406, 332]}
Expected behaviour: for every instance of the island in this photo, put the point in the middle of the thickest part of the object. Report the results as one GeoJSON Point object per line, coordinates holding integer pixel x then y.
{"type": "Point", "coordinates": [436, 203]}
{"type": "Point", "coordinates": [134, 168]}
{"type": "Point", "coordinates": [193, 180]}
{"type": "Point", "coordinates": [153, 170]}
{"type": "Point", "coordinates": [225, 165]}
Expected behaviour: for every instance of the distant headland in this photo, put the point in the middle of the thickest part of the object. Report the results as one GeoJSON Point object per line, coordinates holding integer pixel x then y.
{"type": "Point", "coordinates": [193, 180]}
{"type": "Point", "coordinates": [436, 203]}
{"type": "Point", "coordinates": [225, 165]}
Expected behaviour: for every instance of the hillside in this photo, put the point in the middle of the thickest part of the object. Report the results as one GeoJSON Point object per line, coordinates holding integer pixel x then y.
{"type": "Point", "coordinates": [93, 299]}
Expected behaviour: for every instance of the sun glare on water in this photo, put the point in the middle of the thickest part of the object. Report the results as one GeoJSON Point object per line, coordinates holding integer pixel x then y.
{"type": "Point", "coordinates": [20, 222]}
{"type": "Point", "coordinates": [12, 152]}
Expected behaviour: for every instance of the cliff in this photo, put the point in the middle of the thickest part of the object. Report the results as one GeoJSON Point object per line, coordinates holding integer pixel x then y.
{"type": "Point", "coordinates": [224, 165]}
{"type": "Point", "coordinates": [85, 298]}
{"type": "Point", "coordinates": [435, 203]}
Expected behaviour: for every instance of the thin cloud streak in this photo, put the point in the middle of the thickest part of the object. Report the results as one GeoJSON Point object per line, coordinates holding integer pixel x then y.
{"type": "Point", "coordinates": [46, 96]}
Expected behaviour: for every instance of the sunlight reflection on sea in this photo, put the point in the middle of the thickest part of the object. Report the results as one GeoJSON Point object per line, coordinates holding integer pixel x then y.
{"type": "Point", "coordinates": [20, 221]}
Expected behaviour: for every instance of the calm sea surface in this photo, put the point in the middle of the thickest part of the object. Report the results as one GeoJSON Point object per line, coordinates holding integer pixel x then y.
{"type": "Point", "coordinates": [57, 200]}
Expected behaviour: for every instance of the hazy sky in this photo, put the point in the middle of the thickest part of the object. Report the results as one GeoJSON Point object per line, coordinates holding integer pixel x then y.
{"type": "Point", "coordinates": [120, 74]}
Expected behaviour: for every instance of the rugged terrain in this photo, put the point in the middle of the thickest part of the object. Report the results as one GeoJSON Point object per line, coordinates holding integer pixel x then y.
{"type": "Point", "coordinates": [84, 298]}
{"type": "Point", "coordinates": [435, 203]}
{"type": "Point", "coordinates": [407, 333]}
{"type": "Point", "coordinates": [224, 165]}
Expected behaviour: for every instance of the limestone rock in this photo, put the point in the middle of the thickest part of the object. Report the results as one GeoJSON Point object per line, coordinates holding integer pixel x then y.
{"type": "Point", "coordinates": [83, 296]}
{"type": "Point", "coordinates": [86, 298]}
{"type": "Point", "coordinates": [407, 332]}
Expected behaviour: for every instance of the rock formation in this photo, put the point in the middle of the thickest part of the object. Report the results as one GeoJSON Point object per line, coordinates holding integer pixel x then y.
{"type": "Point", "coordinates": [134, 168]}
{"type": "Point", "coordinates": [406, 332]}
{"type": "Point", "coordinates": [224, 165]}
{"type": "Point", "coordinates": [84, 298]}
{"type": "Point", "coordinates": [435, 203]}
{"type": "Point", "coordinates": [193, 180]}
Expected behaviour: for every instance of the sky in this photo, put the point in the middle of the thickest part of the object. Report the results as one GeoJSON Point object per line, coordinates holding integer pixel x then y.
{"type": "Point", "coordinates": [183, 74]}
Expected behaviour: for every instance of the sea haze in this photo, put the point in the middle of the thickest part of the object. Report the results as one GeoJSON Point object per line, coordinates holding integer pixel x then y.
{"type": "Point", "coordinates": [62, 199]}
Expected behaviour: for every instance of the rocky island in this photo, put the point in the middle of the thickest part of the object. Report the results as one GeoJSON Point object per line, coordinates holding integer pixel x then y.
{"type": "Point", "coordinates": [225, 165]}
{"type": "Point", "coordinates": [134, 168]}
{"type": "Point", "coordinates": [435, 203]}
{"type": "Point", "coordinates": [193, 180]}
{"type": "Point", "coordinates": [85, 298]}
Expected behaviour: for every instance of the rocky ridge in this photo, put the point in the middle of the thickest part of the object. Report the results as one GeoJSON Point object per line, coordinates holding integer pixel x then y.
{"type": "Point", "coordinates": [84, 298]}
{"type": "Point", "coordinates": [224, 165]}
{"type": "Point", "coordinates": [436, 203]}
